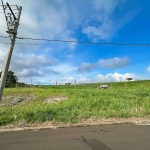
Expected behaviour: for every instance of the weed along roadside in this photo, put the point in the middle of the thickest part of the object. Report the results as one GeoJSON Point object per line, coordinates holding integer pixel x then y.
{"type": "Point", "coordinates": [84, 105]}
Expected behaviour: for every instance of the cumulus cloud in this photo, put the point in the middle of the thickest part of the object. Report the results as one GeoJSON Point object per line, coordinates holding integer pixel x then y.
{"type": "Point", "coordinates": [28, 73]}
{"type": "Point", "coordinates": [47, 71]}
{"type": "Point", "coordinates": [86, 67]}
{"type": "Point", "coordinates": [83, 80]}
{"type": "Point", "coordinates": [116, 77]}
{"type": "Point", "coordinates": [31, 65]}
{"type": "Point", "coordinates": [31, 60]}
{"type": "Point", "coordinates": [112, 63]}
{"type": "Point", "coordinates": [22, 61]}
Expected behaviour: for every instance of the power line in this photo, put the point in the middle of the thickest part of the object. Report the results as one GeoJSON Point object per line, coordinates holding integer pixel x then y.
{"type": "Point", "coordinates": [4, 42]}
{"type": "Point", "coordinates": [4, 36]}
{"type": "Point", "coordinates": [9, 5]}
{"type": "Point", "coordinates": [21, 43]}
{"type": "Point", "coordinates": [32, 44]}
{"type": "Point", "coordinates": [82, 42]}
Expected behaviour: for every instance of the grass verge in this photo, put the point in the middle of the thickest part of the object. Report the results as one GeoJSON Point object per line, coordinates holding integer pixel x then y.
{"type": "Point", "coordinates": [84, 102]}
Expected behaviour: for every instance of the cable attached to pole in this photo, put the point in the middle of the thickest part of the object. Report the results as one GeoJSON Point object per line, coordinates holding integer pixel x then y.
{"type": "Point", "coordinates": [4, 12]}
{"type": "Point", "coordinates": [11, 11]}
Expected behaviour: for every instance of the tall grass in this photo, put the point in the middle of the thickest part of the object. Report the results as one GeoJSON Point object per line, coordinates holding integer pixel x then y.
{"type": "Point", "coordinates": [84, 101]}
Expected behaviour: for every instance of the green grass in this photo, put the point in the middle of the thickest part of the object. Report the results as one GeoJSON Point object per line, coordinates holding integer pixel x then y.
{"type": "Point", "coordinates": [84, 101]}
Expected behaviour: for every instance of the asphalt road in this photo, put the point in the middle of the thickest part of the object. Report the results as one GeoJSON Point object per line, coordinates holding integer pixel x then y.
{"type": "Point", "coordinates": [108, 137]}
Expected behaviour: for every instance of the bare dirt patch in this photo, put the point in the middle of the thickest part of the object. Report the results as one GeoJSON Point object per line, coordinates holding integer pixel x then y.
{"type": "Point", "coordinates": [23, 125]}
{"type": "Point", "coordinates": [12, 100]}
{"type": "Point", "coordinates": [53, 99]}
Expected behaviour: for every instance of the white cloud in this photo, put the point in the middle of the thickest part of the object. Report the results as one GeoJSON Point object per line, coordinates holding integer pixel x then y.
{"type": "Point", "coordinates": [31, 65]}
{"type": "Point", "coordinates": [103, 31]}
{"type": "Point", "coordinates": [28, 73]}
{"type": "Point", "coordinates": [30, 60]}
{"type": "Point", "coordinates": [116, 77]}
{"type": "Point", "coordinates": [46, 71]}
{"type": "Point", "coordinates": [83, 80]}
{"type": "Point", "coordinates": [86, 67]}
{"type": "Point", "coordinates": [67, 79]}
{"type": "Point", "coordinates": [114, 62]}
{"type": "Point", "coordinates": [102, 26]}
{"type": "Point", "coordinates": [66, 70]}
{"type": "Point", "coordinates": [148, 69]}
{"type": "Point", "coordinates": [111, 63]}
{"type": "Point", "coordinates": [107, 7]}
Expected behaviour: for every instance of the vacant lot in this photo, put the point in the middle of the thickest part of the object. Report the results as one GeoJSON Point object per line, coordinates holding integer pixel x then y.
{"type": "Point", "coordinates": [75, 103]}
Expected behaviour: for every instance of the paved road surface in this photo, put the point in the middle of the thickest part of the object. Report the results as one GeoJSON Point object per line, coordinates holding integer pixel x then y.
{"type": "Point", "coordinates": [109, 137]}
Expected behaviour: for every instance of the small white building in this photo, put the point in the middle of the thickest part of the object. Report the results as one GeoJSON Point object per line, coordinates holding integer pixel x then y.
{"type": "Point", "coordinates": [129, 79]}
{"type": "Point", "coordinates": [103, 87]}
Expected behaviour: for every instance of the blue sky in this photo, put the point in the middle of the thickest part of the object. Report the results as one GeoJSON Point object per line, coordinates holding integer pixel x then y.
{"type": "Point", "coordinates": [120, 21]}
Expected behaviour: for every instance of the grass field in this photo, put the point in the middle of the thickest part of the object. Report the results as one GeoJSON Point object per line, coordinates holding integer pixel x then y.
{"type": "Point", "coordinates": [83, 102]}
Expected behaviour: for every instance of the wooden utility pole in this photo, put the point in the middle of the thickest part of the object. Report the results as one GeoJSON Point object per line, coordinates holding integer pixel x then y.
{"type": "Point", "coordinates": [12, 31]}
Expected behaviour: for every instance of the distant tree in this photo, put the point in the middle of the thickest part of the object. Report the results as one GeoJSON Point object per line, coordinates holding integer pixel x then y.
{"type": "Point", "coordinates": [11, 79]}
